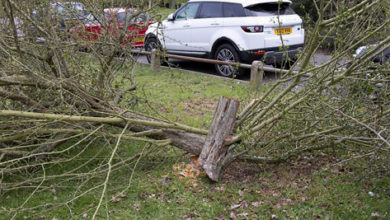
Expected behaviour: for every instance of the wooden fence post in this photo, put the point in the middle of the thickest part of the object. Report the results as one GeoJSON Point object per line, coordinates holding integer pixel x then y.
{"type": "Point", "coordinates": [155, 60]}
{"type": "Point", "coordinates": [257, 72]}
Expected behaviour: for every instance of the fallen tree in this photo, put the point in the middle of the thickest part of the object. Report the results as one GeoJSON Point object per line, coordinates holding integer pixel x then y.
{"type": "Point", "coordinates": [52, 96]}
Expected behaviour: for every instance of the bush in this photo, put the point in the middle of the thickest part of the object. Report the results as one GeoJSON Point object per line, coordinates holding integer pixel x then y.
{"type": "Point", "coordinates": [305, 8]}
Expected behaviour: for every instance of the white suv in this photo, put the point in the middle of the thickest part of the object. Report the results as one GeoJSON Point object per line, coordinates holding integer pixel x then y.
{"type": "Point", "coordinates": [231, 30]}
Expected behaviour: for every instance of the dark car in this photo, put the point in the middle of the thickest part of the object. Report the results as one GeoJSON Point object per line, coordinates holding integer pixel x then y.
{"type": "Point", "coordinates": [381, 58]}
{"type": "Point", "coordinates": [375, 76]}
{"type": "Point", "coordinates": [69, 13]}
{"type": "Point", "coordinates": [64, 15]}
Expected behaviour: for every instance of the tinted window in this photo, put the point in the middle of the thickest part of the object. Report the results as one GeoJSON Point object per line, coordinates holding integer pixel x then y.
{"type": "Point", "coordinates": [188, 11]}
{"type": "Point", "coordinates": [107, 16]}
{"type": "Point", "coordinates": [123, 16]}
{"type": "Point", "coordinates": [92, 19]}
{"type": "Point", "coordinates": [142, 18]}
{"type": "Point", "coordinates": [269, 9]}
{"type": "Point", "coordinates": [233, 10]}
{"type": "Point", "coordinates": [211, 10]}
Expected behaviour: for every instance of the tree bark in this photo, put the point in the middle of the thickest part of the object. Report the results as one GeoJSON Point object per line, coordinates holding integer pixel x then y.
{"type": "Point", "coordinates": [215, 151]}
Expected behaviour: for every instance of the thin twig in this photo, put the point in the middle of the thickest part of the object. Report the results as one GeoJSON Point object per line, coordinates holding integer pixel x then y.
{"type": "Point", "coordinates": [109, 163]}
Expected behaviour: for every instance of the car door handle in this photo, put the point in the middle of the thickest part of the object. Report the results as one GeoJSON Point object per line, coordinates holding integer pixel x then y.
{"type": "Point", "coordinates": [186, 25]}
{"type": "Point", "coordinates": [215, 24]}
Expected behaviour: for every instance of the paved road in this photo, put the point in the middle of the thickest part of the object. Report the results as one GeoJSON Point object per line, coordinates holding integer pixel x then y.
{"type": "Point", "coordinates": [319, 58]}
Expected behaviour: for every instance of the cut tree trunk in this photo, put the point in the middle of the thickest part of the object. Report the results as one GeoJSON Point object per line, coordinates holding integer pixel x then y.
{"type": "Point", "coordinates": [187, 141]}
{"type": "Point", "coordinates": [215, 151]}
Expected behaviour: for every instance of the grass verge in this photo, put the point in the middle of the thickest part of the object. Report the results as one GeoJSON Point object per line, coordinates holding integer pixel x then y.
{"type": "Point", "coordinates": [162, 185]}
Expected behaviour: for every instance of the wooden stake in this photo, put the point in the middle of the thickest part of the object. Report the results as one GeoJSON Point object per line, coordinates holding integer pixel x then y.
{"type": "Point", "coordinates": [155, 61]}
{"type": "Point", "coordinates": [257, 73]}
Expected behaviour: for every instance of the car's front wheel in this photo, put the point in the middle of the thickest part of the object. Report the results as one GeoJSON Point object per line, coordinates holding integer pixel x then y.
{"type": "Point", "coordinates": [152, 43]}
{"type": "Point", "coordinates": [227, 53]}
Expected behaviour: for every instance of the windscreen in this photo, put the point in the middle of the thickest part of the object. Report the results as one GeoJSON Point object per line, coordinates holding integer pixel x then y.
{"type": "Point", "coordinates": [122, 16]}
{"type": "Point", "coordinates": [269, 9]}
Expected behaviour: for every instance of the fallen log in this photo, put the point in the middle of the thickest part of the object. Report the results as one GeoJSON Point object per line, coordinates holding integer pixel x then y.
{"type": "Point", "coordinates": [212, 150]}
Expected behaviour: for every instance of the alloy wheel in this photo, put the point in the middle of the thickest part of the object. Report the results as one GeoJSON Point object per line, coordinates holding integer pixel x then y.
{"type": "Point", "coordinates": [227, 56]}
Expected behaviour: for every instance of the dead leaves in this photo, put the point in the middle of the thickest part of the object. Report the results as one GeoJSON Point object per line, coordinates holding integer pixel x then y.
{"type": "Point", "coordinates": [257, 203]}
{"type": "Point", "coordinates": [117, 198]}
{"type": "Point", "coordinates": [220, 188]}
{"type": "Point", "coordinates": [136, 207]}
{"type": "Point", "coordinates": [271, 200]}
{"type": "Point", "coordinates": [242, 215]}
{"type": "Point", "coordinates": [235, 206]}
{"type": "Point", "coordinates": [242, 205]}
{"type": "Point", "coordinates": [241, 193]}
{"type": "Point", "coordinates": [239, 210]}
{"type": "Point", "coordinates": [191, 215]}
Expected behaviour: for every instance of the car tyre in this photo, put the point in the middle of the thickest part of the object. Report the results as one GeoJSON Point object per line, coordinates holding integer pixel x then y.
{"type": "Point", "coordinates": [153, 43]}
{"type": "Point", "coordinates": [227, 52]}
{"type": "Point", "coordinates": [284, 65]}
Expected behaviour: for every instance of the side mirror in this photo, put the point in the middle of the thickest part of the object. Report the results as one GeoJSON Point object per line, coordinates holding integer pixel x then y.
{"type": "Point", "coordinates": [171, 17]}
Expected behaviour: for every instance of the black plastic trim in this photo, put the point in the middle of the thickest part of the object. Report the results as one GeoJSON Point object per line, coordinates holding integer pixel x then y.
{"type": "Point", "coordinates": [272, 55]}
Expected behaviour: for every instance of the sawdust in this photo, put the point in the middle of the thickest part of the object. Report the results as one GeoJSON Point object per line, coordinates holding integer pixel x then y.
{"type": "Point", "coordinates": [190, 172]}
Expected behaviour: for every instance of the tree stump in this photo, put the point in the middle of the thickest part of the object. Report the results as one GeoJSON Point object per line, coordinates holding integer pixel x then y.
{"type": "Point", "coordinates": [214, 150]}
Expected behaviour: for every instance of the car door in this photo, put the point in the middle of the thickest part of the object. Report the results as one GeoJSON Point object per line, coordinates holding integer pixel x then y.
{"type": "Point", "coordinates": [202, 29]}
{"type": "Point", "coordinates": [176, 34]}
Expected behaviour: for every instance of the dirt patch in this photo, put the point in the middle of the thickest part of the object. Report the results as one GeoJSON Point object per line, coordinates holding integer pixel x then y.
{"type": "Point", "coordinates": [284, 174]}
{"type": "Point", "coordinates": [241, 172]}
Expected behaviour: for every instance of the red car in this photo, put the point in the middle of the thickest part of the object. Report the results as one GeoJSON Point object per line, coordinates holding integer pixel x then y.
{"type": "Point", "coordinates": [112, 26]}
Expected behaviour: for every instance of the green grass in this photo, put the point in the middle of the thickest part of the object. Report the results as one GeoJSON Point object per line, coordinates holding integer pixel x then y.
{"type": "Point", "coordinates": [186, 97]}
{"type": "Point", "coordinates": [307, 189]}
{"type": "Point", "coordinates": [162, 13]}
{"type": "Point", "coordinates": [321, 195]}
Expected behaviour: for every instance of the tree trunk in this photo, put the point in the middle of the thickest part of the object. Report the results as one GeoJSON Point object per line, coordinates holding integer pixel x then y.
{"type": "Point", "coordinates": [187, 141]}
{"type": "Point", "coordinates": [172, 4]}
{"type": "Point", "coordinates": [214, 151]}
